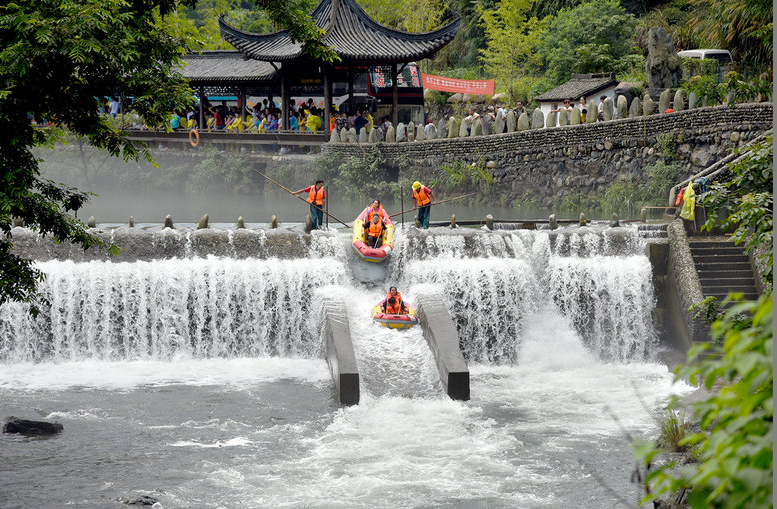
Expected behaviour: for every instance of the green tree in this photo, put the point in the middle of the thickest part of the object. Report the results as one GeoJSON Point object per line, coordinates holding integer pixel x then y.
{"type": "Point", "coordinates": [408, 15]}
{"type": "Point", "coordinates": [748, 197]}
{"type": "Point", "coordinates": [588, 38]}
{"type": "Point", "coordinates": [745, 27]}
{"type": "Point", "coordinates": [58, 59]}
{"type": "Point", "coordinates": [734, 449]}
{"type": "Point", "coordinates": [511, 40]}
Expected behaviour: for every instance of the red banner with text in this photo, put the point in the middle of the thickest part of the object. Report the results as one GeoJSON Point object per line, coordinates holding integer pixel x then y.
{"type": "Point", "coordinates": [485, 87]}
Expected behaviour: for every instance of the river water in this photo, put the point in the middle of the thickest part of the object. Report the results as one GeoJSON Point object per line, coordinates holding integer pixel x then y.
{"type": "Point", "coordinates": [202, 382]}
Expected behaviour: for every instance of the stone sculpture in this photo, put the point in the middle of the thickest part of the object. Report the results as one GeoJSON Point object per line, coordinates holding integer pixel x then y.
{"type": "Point", "coordinates": [663, 64]}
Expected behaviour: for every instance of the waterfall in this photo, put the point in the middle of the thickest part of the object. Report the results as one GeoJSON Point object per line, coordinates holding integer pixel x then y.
{"type": "Point", "coordinates": [167, 309]}
{"type": "Point", "coordinates": [598, 281]}
{"type": "Point", "coordinates": [595, 280]}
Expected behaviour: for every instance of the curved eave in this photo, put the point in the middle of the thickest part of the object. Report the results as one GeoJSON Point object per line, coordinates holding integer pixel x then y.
{"type": "Point", "coordinates": [384, 45]}
{"type": "Point", "coordinates": [272, 47]}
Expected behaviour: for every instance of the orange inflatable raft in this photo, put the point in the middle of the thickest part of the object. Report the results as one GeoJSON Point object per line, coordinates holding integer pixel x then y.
{"type": "Point", "coordinates": [368, 253]}
{"type": "Point", "coordinates": [394, 321]}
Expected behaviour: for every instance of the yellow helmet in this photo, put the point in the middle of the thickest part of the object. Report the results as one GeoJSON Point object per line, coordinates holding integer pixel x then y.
{"type": "Point", "coordinates": [416, 185]}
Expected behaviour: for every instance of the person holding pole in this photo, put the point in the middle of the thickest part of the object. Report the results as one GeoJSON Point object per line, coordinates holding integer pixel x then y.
{"type": "Point", "coordinates": [316, 199]}
{"type": "Point", "coordinates": [423, 197]}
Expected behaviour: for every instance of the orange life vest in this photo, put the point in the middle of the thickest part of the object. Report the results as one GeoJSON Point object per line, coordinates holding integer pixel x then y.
{"type": "Point", "coordinates": [372, 211]}
{"type": "Point", "coordinates": [421, 197]}
{"type": "Point", "coordinates": [316, 196]}
{"type": "Point", "coordinates": [396, 309]}
{"type": "Point", "coordinates": [375, 229]}
{"type": "Point", "coordinates": [398, 297]}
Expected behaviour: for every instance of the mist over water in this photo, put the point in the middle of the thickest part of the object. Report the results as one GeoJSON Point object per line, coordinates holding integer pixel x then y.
{"type": "Point", "coordinates": [202, 382]}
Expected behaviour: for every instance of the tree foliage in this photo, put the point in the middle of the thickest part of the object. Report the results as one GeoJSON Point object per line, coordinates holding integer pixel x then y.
{"type": "Point", "coordinates": [408, 15]}
{"type": "Point", "coordinates": [58, 59]}
{"type": "Point", "coordinates": [588, 38]}
{"type": "Point", "coordinates": [511, 39]}
{"type": "Point", "coordinates": [744, 27]}
{"type": "Point", "coordinates": [748, 198]}
{"type": "Point", "coordinates": [734, 447]}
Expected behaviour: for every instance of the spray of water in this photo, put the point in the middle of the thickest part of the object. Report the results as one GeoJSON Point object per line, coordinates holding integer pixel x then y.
{"type": "Point", "coordinates": [198, 308]}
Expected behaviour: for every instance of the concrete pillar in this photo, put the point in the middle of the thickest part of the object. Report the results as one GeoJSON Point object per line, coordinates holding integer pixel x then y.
{"type": "Point", "coordinates": [443, 339]}
{"type": "Point", "coordinates": [339, 352]}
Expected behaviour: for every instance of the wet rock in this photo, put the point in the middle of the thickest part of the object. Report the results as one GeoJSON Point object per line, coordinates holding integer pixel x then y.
{"type": "Point", "coordinates": [91, 223]}
{"type": "Point", "coordinates": [169, 221]}
{"type": "Point", "coordinates": [240, 222]}
{"type": "Point", "coordinates": [614, 221]}
{"type": "Point", "coordinates": [203, 222]}
{"type": "Point", "coordinates": [273, 222]}
{"type": "Point", "coordinates": [26, 427]}
{"type": "Point", "coordinates": [308, 224]}
{"type": "Point", "coordinates": [143, 500]}
{"type": "Point", "coordinates": [583, 221]}
{"type": "Point", "coordinates": [552, 222]}
{"type": "Point", "coordinates": [132, 222]}
{"type": "Point", "coordinates": [18, 222]}
{"type": "Point", "coordinates": [490, 222]}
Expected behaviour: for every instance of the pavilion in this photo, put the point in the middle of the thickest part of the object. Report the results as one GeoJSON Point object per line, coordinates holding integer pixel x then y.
{"type": "Point", "coordinates": [358, 40]}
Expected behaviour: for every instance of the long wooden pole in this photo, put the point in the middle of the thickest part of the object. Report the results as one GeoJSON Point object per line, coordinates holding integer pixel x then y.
{"type": "Point", "coordinates": [434, 203]}
{"type": "Point", "coordinates": [300, 197]}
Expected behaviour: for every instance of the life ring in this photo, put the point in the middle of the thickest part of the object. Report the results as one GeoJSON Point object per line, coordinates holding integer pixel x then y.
{"type": "Point", "coordinates": [194, 138]}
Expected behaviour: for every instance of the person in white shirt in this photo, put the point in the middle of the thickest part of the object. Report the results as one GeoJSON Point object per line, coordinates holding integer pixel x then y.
{"type": "Point", "coordinates": [115, 106]}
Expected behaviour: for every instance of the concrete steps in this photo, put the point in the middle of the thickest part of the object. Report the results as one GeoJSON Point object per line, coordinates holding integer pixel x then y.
{"type": "Point", "coordinates": [652, 231]}
{"type": "Point", "coordinates": [722, 268]}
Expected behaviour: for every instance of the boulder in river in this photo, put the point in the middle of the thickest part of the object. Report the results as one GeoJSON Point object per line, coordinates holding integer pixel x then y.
{"type": "Point", "coordinates": [25, 427]}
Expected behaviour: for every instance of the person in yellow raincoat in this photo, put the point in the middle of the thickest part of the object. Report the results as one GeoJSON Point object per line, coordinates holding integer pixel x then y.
{"type": "Point", "coordinates": [689, 203]}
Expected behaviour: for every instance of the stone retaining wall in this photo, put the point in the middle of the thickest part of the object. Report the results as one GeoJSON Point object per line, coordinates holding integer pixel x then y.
{"type": "Point", "coordinates": [549, 163]}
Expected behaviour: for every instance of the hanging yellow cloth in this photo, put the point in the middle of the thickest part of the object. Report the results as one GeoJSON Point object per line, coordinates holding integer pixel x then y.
{"type": "Point", "coordinates": [689, 203]}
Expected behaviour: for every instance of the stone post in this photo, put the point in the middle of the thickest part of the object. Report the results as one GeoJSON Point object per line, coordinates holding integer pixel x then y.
{"type": "Point", "coordinates": [648, 106]}
{"type": "Point", "coordinates": [537, 119]}
{"type": "Point", "coordinates": [132, 222]}
{"type": "Point", "coordinates": [91, 222]}
{"type": "Point", "coordinates": [550, 119]}
{"type": "Point", "coordinates": [575, 120]}
{"type": "Point", "coordinates": [490, 222]}
{"type": "Point", "coordinates": [679, 102]}
{"type": "Point", "coordinates": [583, 221]}
{"type": "Point", "coordinates": [453, 127]}
{"type": "Point", "coordinates": [240, 222]}
{"type": "Point", "coordinates": [510, 121]}
{"type": "Point", "coordinates": [203, 222]}
{"type": "Point", "coordinates": [608, 109]}
{"type": "Point", "coordinates": [663, 100]}
{"type": "Point", "coordinates": [273, 222]}
{"type": "Point", "coordinates": [169, 221]}
{"type": "Point", "coordinates": [552, 223]}
{"type": "Point", "coordinates": [635, 110]}
{"type": "Point", "coordinates": [563, 118]}
{"type": "Point", "coordinates": [623, 107]}
{"type": "Point", "coordinates": [523, 122]}
{"type": "Point", "coordinates": [593, 112]}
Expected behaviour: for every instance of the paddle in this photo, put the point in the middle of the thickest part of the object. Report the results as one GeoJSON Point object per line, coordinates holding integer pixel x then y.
{"type": "Point", "coordinates": [434, 203]}
{"type": "Point", "coordinates": [300, 197]}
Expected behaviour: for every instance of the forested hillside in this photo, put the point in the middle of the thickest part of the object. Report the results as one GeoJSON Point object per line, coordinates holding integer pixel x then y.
{"type": "Point", "coordinates": [529, 47]}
